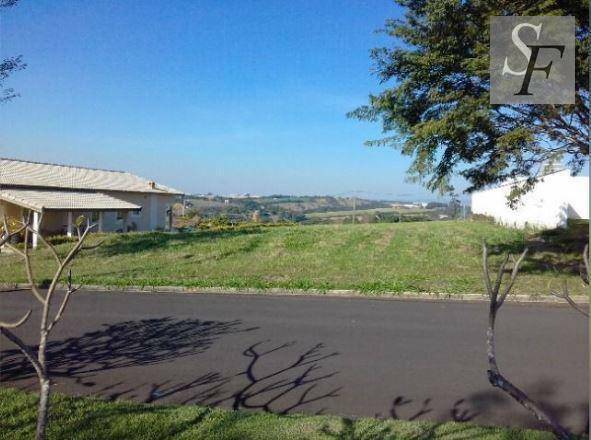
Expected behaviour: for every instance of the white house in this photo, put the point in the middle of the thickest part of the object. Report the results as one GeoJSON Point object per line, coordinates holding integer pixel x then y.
{"type": "Point", "coordinates": [115, 200]}
{"type": "Point", "coordinates": [557, 197]}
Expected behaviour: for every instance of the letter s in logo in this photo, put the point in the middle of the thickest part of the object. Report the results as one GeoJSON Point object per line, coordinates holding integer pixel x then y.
{"type": "Point", "coordinates": [526, 51]}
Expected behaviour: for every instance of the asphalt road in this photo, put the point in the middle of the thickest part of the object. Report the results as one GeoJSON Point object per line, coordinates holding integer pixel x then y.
{"type": "Point", "coordinates": [352, 357]}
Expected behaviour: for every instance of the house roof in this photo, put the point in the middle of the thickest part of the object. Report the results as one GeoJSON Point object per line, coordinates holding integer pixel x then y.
{"type": "Point", "coordinates": [21, 173]}
{"type": "Point", "coordinates": [40, 200]}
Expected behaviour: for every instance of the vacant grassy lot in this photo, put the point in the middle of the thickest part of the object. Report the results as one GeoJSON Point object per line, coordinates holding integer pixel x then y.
{"type": "Point", "coordinates": [443, 257]}
{"type": "Point", "coordinates": [84, 418]}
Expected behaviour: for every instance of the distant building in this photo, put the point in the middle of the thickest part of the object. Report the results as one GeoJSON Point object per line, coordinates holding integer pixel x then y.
{"type": "Point", "coordinates": [58, 194]}
{"type": "Point", "coordinates": [398, 205]}
{"type": "Point", "coordinates": [555, 199]}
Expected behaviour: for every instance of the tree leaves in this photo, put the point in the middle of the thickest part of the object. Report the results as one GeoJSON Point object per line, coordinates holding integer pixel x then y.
{"type": "Point", "coordinates": [9, 65]}
{"type": "Point", "coordinates": [438, 110]}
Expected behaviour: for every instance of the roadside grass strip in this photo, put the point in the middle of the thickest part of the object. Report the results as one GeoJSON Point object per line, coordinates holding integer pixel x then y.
{"type": "Point", "coordinates": [83, 418]}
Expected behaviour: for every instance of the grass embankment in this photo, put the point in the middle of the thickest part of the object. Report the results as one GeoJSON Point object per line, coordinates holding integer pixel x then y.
{"type": "Point", "coordinates": [442, 257]}
{"type": "Point", "coordinates": [87, 418]}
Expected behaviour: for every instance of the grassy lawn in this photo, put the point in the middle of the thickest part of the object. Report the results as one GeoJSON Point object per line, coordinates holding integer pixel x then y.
{"type": "Point", "coordinates": [442, 257]}
{"type": "Point", "coordinates": [86, 418]}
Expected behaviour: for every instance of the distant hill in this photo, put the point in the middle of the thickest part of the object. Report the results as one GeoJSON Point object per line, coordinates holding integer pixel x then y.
{"type": "Point", "coordinates": [302, 209]}
{"type": "Point", "coordinates": [275, 207]}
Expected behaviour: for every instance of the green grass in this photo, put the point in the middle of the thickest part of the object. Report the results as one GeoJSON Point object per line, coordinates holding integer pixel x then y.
{"type": "Point", "coordinates": [87, 418]}
{"type": "Point", "coordinates": [442, 257]}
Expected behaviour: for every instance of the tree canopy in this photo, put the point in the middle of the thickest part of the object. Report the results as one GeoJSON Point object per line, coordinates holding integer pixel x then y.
{"type": "Point", "coordinates": [435, 103]}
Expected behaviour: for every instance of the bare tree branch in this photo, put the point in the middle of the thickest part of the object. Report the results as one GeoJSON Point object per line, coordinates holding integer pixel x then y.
{"type": "Point", "coordinates": [7, 236]}
{"type": "Point", "coordinates": [93, 247]}
{"type": "Point", "coordinates": [585, 276]}
{"type": "Point", "coordinates": [48, 245]}
{"type": "Point", "coordinates": [487, 280]}
{"type": "Point", "coordinates": [16, 323]}
{"type": "Point", "coordinates": [500, 274]}
{"type": "Point", "coordinates": [24, 348]}
{"type": "Point", "coordinates": [565, 295]}
{"type": "Point", "coordinates": [514, 272]}
{"type": "Point", "coordinates": [494, 375]}
{"type": "Point", "coordinates": [70, 290]}
{"type": "Point", "coordinates": [38, 360]}
{"type": "Point", "coordinates": [27, 260]}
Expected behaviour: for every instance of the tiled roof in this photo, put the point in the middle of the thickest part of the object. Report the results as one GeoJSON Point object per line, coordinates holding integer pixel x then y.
{"type": "Point", "coordinates": [39, 200]}
{"type": "Point", "coordinates": [42, 175]}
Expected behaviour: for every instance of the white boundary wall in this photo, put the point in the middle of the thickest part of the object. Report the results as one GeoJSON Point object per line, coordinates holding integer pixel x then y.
{"type": "Point", "coordinates": [556, 198]}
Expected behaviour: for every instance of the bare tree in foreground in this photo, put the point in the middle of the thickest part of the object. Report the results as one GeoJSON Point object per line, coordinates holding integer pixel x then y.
{"type": "Point", "coordinates": [565, 295]}
{"type": "Point", "coordinates": [47, 322]}
{"type": "Point", "coordinates": [497, 295]}
{"type": "Point", "coordinates": [9, 232]}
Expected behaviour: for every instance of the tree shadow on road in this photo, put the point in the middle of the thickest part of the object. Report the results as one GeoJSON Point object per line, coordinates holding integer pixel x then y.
{"type": "Point", "coordinates": [293, 384]}
{"type": "Point", "coordinates": [287, 388]}
{"type": "Point", "coordinates": [543, 391]}
{"type": "Point", "coordinates": [487, 407]}
{"type": "Point", "coordinates": [277, 378]}
{"type": "Point", "coordinates": [125, 344]}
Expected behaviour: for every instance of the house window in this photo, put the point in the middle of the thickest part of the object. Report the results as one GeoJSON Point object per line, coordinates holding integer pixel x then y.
{"type": "Point", "coordinates": [119, 215]}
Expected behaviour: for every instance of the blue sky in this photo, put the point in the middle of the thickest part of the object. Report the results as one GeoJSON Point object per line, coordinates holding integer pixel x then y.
{"type": "Point", "coordinates": [208, 96]}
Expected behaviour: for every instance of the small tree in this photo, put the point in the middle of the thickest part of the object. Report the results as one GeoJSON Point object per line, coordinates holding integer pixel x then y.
{"type": "Point", "coordinates": [47, 322]}
{"type": "Point", "coordinates": [454, 206]}
{"type": "Point", "coordinates": [498, 294]}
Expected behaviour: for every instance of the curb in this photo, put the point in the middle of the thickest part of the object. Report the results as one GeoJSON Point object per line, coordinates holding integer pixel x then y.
{"type": "Point", "coordinates": [334, 293]}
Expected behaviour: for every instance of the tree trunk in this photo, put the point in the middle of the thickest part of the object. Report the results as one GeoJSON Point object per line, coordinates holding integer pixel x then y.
{"type": "Point", "coordinates": [43, 408]}
{"type": "Point", "coordinates": [496, 379]}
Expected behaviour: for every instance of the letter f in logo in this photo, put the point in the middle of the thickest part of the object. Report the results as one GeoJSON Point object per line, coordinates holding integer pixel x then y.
{"type": "Point", "coordinates": [530, 52]}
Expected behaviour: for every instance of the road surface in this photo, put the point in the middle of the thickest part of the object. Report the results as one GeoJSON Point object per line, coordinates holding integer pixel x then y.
{"type": "Point", "coordinates": [353, 357]}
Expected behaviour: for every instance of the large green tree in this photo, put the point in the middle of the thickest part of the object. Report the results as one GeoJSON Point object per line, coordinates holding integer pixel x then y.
{"type": "Point", "coordinates": [435, 103]}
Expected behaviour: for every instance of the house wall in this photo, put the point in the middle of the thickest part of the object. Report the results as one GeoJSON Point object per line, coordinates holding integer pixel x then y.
{"type": "Point", "coordinates": [153, 214]}
{"type": "Point", "coordinates": [151, 217]}
{"type": "Point", "coordinates": [579, 197]}
{"type": "Point", "coordinates": [556, 198]}
{"type": "Point", "coordinates": [54, 223]}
